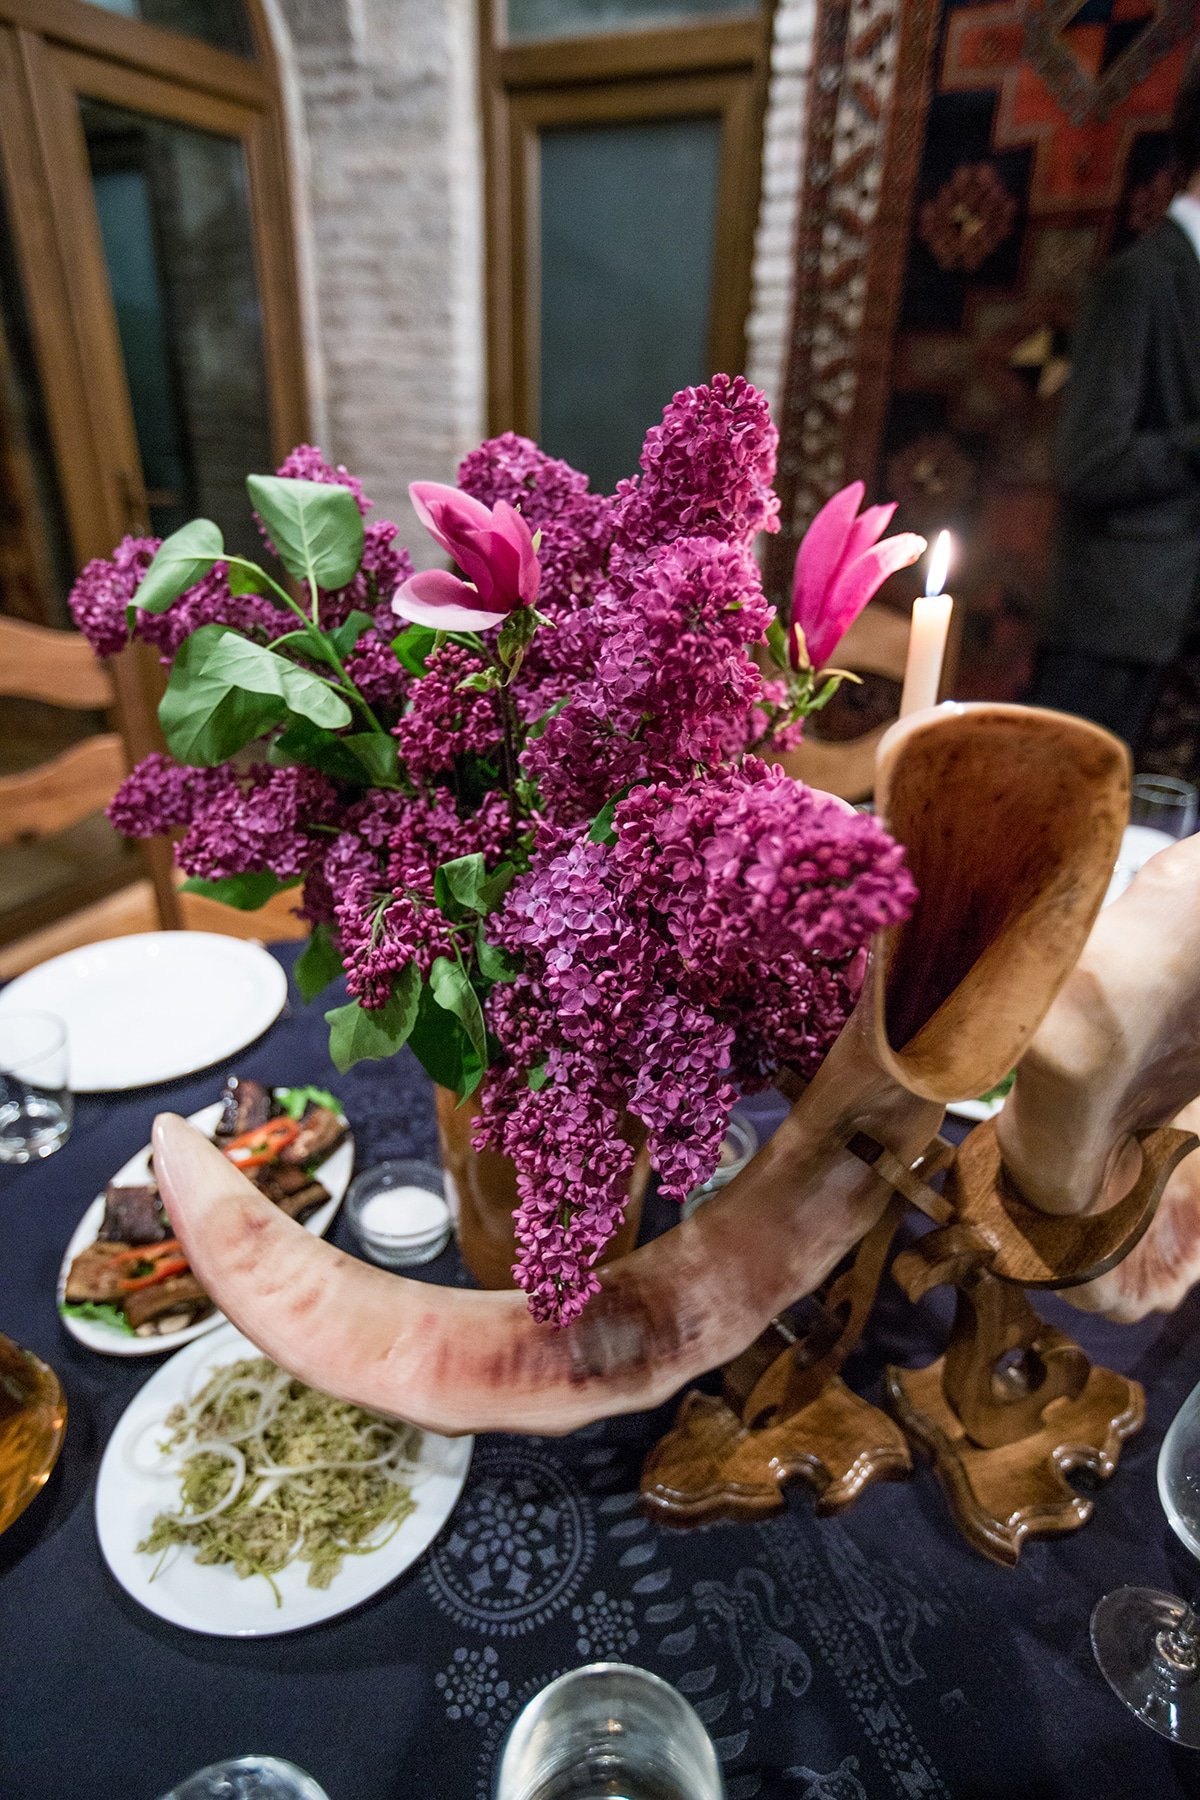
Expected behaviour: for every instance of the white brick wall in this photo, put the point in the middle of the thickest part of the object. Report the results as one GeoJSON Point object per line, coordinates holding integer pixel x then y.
{"type": "Point", "coordinates": [383, 101]}
{"type": "Point", "coordinates": [783, 175]}
{"type": "Point", "coordinates": [389, 160]}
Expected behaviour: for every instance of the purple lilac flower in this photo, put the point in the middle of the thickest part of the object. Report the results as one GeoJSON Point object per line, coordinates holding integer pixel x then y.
{"type": "Point", "coordinates": [707, 469]}
{"type": "Point", "coordinates": [210, 602]}
{"type": "Point", "coordinates": [672, 683]}
{"type": "Point", "coordinates": [104, 588]}
{"type": "Point", "coordinates": [444, 722]}
{"type": "Point", "coordinates": [722, 932]}
{"type": "Point", "coordinates": [307, 463]}
{"type": "Point", "coordinates": [159, 794]}
{"type": "Point", "coordinates": [267, 825]}
{"type": "Point", "coordinates": [377, 671]}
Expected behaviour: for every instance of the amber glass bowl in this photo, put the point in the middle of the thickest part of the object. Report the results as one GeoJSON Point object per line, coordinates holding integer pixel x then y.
{"type": "Point", "coordinates": [33, 1422]}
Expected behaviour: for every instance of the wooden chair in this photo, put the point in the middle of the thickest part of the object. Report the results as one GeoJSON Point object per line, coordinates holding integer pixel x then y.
{"type": "Point", "coordinates": [58, 668]}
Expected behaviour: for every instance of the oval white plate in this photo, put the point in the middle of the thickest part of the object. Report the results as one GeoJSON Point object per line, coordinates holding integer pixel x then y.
{"type": "Point", "coordinates": [155, 1006]}
{"type": "Point", "coordinates": [334, 1173]}
{"type": "Point", "coordinates": [210, 1597]}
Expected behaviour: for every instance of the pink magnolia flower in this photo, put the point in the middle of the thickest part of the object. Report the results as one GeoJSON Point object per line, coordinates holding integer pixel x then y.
{"type": "Point", "coordinates": [842, 564]}
{"type": "Point", "coordinates": [493, 547]}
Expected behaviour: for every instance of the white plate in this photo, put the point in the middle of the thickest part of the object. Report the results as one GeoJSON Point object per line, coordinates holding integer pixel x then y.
{"type": "Point", "coordinates": [334, 1173]}
{"type": "Point", "coordinates": [211, 1598]}
{"type": "Point", "coordinates": [155, 1006]}
{"type": "Point", "coordinates": [975, 1110]}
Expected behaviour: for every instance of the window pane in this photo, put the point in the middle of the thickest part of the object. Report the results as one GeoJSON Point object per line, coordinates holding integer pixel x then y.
{"type": "Point", "coordinates": [575, 18]}
{"type": "Point", "coordinates": [221, 23]}
{"type": "Point", "coordinates": [175, 220]}
{"type": "Point", "coordinates": [628, 215]}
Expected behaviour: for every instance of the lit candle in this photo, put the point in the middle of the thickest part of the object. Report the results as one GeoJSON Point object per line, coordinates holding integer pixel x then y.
{"type": "Point", "coordinates": [927, 639]}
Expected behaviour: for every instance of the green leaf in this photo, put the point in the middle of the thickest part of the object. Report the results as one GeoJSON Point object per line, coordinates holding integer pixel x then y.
{"type": "Point", "coordinates": [100, 1312]}
{"type": "Point", "coordinates": [247, 892]}
{"type": "Point", "coordinates": [602, 831]}
{"type": "Point", "coordinates": [318, 749]}
{"type": "Point", "coordinates": [494, 964]}
{"type": "Point", "coordinates": [225, 691]}
{"type": "Point", "coordinates": [251, 580]}
{"type": "Point", "coordinates": [361, 1034]}
{"type": "Point", "coordinates": [375, 754]}
{"type": "Point", "coordinates": [480, 681]}
{"type": "Point", "coordinates": [539, 725]}
{"type": "Point", "coordinates": [777, 642]}
{"type": "Point", "coordinates": [182, 560]}
{"type": "Point", "coordinates": [295, 1100]}
{"type": "Point", "coordinates": [314, 525]}
{"type": "Point", "coordinates": [464, 886]}
{"type": "Point", "coordinates": [537, 1077]}
{"type": "Point", "coordinates": [413, 646]}
{"type": "Point", "coordinates": [454, 994]}
{"type": "Point", "coordinates": [516, 635]}
{"type": "Point", "coordinates": [318, 963]}
{"type": "Point", "coordinates": [443, 1048]}
{"type": "Point", "coordinates": [348, 634]}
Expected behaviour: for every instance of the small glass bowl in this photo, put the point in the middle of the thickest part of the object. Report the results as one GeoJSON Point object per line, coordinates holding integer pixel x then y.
{"type": "Point", "coordinates": [739, 1145]}
{"type": "Point", "coordinates": [390, 1245]}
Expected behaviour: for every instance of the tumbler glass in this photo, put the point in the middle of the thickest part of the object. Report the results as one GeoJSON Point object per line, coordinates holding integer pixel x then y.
{"type": "Point", "coordinates": [739, 1145]}
{"type": "Point", "coordinates": [249, 1778]}
{"type": "Point", "coordinates": [608, 1731]}
{"type": "Point", "coordinates": [1161, 809]}
{"type": "Point", "coordinates": [36, 1107]}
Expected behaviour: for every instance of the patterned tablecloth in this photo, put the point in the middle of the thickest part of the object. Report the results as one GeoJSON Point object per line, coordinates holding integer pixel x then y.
{"type": "Point", "coordinates": [869, 1655]}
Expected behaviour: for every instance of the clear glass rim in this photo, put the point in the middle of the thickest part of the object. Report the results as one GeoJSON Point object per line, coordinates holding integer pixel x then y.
{"type": "Point", "coordinates": [1164, 787]}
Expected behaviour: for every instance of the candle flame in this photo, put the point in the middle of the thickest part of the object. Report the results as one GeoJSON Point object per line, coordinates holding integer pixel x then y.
{"type": "Point", "coordinates": [939, 564]}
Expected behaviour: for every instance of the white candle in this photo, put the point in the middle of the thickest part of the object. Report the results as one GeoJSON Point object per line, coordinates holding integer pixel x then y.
{"type": "Point", "coordinates": [927, 639]}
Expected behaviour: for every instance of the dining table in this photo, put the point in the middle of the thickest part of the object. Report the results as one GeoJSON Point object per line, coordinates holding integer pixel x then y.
{"type": "Point", "coordinates": [872, 1653]}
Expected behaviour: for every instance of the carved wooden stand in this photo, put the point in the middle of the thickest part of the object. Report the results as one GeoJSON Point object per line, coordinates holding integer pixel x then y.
{"type": "Point", "coordinates": [1004, 1415]}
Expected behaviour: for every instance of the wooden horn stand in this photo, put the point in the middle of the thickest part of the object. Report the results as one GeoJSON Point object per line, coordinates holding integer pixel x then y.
{"type": "Point", "coordinates": [1011, 1408]}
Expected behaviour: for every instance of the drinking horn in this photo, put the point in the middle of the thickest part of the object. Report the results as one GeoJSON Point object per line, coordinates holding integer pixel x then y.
{"type": "Point", "coordinates": [1011, 819]}
{"type": "Point", "coordinates": [1118, 1053]}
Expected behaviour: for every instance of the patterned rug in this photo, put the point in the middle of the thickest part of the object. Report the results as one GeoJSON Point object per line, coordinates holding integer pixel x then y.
{"type": "Point", "coordinates": [969, 164]}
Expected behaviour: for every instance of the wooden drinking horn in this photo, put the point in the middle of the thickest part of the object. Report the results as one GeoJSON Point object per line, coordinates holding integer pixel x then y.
{"type": "Point", "coordinates": [1117, 1056]}
{"type": "Point", "coordinates": [1011, 818]}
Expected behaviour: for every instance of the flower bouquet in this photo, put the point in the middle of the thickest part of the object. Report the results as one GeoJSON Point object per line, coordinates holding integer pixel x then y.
{"type": "Point", "coordinates": [529, 809]}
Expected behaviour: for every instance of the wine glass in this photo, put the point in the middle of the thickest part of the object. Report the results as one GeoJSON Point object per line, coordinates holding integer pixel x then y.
{"type": "Point", "coordinates": [1161, 809]}
{"type": "Point", "coordinates": [1147, 1643]}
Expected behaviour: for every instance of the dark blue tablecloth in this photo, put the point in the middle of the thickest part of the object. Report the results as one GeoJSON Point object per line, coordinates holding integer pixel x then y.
{"type": "Point", "coordinates": [869, 1655]}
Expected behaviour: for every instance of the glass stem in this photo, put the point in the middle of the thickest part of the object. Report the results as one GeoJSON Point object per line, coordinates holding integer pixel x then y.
{"type": "Point", "coordinates": [1177, 1653]}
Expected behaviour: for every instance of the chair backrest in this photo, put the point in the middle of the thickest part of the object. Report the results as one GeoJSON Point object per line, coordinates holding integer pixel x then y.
{"type": "Point", "coordinates": [57, 667]}
{"type": "Point", "coordinates": [876, 644]}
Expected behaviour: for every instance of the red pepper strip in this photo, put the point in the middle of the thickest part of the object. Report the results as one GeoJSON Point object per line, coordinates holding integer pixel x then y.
{"type": "Point", "coordinates": [263, 1144]}
{"type": "Point", "coordinates": [145, 1253]}
{"type": "Point", "coordinates": [176, 1265]}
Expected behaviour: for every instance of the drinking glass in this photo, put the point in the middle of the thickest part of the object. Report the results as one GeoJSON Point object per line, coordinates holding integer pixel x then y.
{"type": "Point", "coordinates": [608, 1731]}
{"type": "Point", "coordinates": [36, 1107]}
{"type": "Point", "coordinates": [249, 1778]}
{"type": "Point", "coordinates": [738, 1146]}
{"type": "Point", "coordinates": [1161, 809]}
{"type": "Point", "coordinates": [1147, 1643]}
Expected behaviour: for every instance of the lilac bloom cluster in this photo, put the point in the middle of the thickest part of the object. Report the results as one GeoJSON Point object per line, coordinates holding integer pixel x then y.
{"type": "Point", "coordinates": [104, 590]}
{"type": "Point", "coordinates": [445, 721]}
{"type": "Point", "coordinates": [684, 919]}
{"type": "Point", "coordinates": [731, 911]}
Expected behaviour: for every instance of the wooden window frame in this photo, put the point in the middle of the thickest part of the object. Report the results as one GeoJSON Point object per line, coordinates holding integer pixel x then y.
{"type": "Point", "coordinates": [52, 52]}
{"type": "Point", "coordinates": [715, 67]}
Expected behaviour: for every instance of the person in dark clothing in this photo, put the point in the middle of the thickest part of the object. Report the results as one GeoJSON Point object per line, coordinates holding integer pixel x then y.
{"type": "Point", "coordinates": [1127, 556]}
